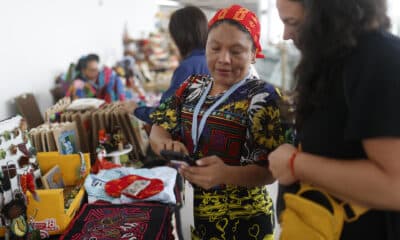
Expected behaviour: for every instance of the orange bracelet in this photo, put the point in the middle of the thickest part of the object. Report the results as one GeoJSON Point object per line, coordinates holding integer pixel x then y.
{"type": "Point", "coordinates": [291, 162]}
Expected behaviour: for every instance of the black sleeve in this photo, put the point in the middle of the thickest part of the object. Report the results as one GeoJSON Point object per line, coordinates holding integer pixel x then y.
{"type": "Point", "coordinates": [372, 91]}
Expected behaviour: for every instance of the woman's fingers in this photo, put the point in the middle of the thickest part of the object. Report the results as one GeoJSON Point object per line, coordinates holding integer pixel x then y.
{"type": "Point", "coordinates": [175, 146]}
{"type": "Point", "coordinates": [206, 174]}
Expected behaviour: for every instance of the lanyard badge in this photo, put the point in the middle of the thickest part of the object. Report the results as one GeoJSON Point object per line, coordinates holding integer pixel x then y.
{"type": "Point", "coordinates": [197, 129]}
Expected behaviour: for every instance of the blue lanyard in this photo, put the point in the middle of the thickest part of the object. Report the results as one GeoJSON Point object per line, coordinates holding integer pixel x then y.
{"type": "Point", "coordinates": [196, 131]}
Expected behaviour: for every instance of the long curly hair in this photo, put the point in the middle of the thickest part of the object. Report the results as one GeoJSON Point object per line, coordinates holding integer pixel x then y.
{"type": "Point", "coordinates": [330, 31]}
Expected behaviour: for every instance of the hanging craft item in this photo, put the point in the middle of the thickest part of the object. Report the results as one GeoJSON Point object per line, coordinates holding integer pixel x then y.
{"type": "Point", "coordinates": [15, 132]}
{"type": "Point", "coordinates": [19, 226]}
{"type": "Point", "coordinates": [18, 171]}
{"type": "Point", "coordinates": [14, 211]}
{"type": "Point", "coordinates": [23, 148]}
{"type": "Point", "coordinates": [27, 183]}
{"type": "Point", "coordinates": [13, 149]}
{"type": "Point", "coordinates": [34, 233]}
{"type": "Point", "coordinates": [6, 135]}
{"type": "Point", "coordinates": [3, 154]}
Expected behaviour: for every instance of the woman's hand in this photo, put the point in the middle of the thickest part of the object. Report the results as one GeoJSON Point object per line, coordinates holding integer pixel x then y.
{"type": "Point", "coordinates": [209, 172]}
{"type": "Point", "coordinates": [167, 144]}
{"type": "Point", "coordinates": [160, 139]}
{"type": "Point", "coordinates": [279, 164]}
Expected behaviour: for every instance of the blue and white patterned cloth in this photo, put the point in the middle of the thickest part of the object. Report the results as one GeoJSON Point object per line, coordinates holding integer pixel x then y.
{"type": "Point", "coordinates": [94, 184]}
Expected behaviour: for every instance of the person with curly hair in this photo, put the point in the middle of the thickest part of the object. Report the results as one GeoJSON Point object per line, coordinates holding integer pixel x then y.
{"type": "Point", "coordinates": [348, 84]}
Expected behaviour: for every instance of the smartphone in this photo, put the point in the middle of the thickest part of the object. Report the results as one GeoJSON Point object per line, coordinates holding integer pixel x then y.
{"type": "Point", "coordinates": [177, 157]}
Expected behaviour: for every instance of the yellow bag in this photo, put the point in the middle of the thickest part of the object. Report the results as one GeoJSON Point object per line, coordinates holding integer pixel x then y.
{"type": "Point", "coordinates": [304, 219]}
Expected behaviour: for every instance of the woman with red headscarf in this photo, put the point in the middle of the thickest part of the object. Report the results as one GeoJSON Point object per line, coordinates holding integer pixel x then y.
{"type": "Point", "coordinates": [229, 122]}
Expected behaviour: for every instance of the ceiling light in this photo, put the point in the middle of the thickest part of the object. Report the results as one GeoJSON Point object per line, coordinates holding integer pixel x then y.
{"type": "Point", "coordinates": [168, 3]}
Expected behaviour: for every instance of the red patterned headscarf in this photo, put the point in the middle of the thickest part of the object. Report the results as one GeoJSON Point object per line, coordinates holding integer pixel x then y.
{"type": "Point", "coordinates": [244, 17]}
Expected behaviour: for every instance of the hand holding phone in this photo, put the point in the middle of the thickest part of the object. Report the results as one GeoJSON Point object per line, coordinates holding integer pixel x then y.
{"type": "Point", "coordinates": [177, 157]}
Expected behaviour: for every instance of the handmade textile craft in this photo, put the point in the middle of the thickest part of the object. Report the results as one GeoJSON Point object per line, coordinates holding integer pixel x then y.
{"type": "Point", "coordinates": [134, 186]}
{"type": "Point", "coordinates": [139, 221]}
{"type": "Point", "coordinates": [18, 172]}
{"type": "Point", "coordinates": [95, 184]}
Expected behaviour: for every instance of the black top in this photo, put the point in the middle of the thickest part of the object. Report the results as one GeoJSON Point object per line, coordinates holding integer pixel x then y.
{"type": "Point", "coordinates": [363, 105]}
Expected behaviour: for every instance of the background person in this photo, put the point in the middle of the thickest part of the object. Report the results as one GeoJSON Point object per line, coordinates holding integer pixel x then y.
{"type": "Point", "coordinates": [188, 28]}
{"type": "Point", "coordinates": [93, 82]}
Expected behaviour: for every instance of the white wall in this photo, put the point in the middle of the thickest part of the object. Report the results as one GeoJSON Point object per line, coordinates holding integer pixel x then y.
{"type": "Point", "coordinates": [394, 13]}
{"type": "Point", "coordinates": [271, 25]}
{"type": "Point", "coordinates": [38, 39]}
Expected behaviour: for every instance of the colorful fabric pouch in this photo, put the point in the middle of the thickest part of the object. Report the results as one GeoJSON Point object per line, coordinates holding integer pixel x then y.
{"type": "Point", "coordinates": [134, 186]}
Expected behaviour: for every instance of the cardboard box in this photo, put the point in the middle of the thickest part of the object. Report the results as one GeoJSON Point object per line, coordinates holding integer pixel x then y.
{"type": "Point", "coordinates": [51, 217]}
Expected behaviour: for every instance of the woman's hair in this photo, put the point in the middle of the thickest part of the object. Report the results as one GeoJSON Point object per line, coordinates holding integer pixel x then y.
{"type": "Point", "coordinates": [188, 28]}
{"type": "Point", "coordinates": [236, 24]}
{"type": "Point", "coordinates": [83, 61]}
{"type": "Point", "coordinates": [330, 30]}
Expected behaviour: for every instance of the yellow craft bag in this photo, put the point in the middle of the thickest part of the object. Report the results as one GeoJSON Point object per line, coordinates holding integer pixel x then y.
{"type": "Point", "coordinates": [304, 219]}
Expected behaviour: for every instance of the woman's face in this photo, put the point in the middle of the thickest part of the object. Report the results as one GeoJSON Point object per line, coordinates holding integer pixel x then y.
{"type": "Point", "coordinates": [229, 53]}
{"type": "Point", "coordinates": [91, 71]}
{"type": "Point", "coordinates": [292, 16]}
